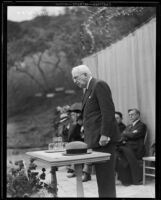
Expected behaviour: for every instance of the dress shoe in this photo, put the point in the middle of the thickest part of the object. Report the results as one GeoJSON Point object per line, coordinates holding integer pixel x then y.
{"type": "Point", "coordinates": [126, 184]}
{"type": "Point", "coordinates": [139, 183]}
{"type": "Point", "coordinates": [86, 177]}
{"type": "Point", "coordinates": [71, 175]}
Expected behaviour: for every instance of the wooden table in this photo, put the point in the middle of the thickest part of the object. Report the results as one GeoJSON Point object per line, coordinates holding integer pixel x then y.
{"type": "Point", "coordinates": [56, 159]}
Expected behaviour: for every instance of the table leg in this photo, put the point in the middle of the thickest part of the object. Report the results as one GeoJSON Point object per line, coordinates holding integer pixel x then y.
{"type": "Point", "coordinates": [54, 181]}
{"type": "Point", "coordinates": [78, 172]}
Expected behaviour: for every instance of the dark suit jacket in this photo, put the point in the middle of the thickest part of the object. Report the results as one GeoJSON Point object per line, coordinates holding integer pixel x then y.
{"type": "Point", "coordinates": [74, 133]}
{"type": "Point", "coordinates": [134, 137]}
{"type": "Point", "coordinates": [99, 114]}
{"type": "Point", "coordinates": [121, 127]}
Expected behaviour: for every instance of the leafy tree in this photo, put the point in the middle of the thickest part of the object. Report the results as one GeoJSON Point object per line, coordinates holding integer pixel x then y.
{"type": "Point", "coordinates": [14, 31]}
{"type": "Point", "coordinates": [107, 24]}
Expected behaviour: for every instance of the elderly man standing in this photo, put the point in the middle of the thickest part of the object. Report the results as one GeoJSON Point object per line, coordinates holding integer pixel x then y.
{"type": "Point", "coordinates": [100, 127]}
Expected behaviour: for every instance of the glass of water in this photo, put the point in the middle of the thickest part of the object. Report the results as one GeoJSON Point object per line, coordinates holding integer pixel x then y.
{"type": "Point", "coordinates": [57, 144]}
{"type": "Point", "coordinates": [51, 146]}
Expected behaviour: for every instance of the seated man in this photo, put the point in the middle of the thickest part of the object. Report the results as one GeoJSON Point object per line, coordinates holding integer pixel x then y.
{"type": "Point", "coordinates": [134, 134]}
{"type": "Point", "coordinates": [121, 125]}
{"type": "Point", "coordinates": [130, 149]}
{"type": "Point", "coordinates": [76, 134]}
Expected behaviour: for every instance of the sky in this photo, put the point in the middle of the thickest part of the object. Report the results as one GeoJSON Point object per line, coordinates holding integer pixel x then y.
{"type": "Point", "coordinates": [22, 13]}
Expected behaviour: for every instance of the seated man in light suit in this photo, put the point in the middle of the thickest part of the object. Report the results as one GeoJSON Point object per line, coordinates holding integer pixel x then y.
{"type": "Point", "coordinates": [131, 148]}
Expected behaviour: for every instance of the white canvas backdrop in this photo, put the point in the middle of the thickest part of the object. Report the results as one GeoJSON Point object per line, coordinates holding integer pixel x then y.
{"type": "Point", "coordinates": [129, 67]}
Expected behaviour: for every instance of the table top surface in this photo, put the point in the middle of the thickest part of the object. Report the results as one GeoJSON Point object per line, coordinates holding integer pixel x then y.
{"type": "Point", "coordinates": [59, 158]}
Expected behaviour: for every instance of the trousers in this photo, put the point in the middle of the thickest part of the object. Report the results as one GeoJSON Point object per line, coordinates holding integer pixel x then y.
{"type": "Point", "coordinates": [87, 168]}
{"type": "Point", "coordinates": [105, 172]}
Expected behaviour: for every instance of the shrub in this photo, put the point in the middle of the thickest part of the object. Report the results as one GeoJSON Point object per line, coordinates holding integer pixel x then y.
{"type": "Point", "coordinates": [23, 182]}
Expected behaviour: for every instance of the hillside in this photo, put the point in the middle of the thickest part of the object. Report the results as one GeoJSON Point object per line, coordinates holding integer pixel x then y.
{"type": "Point", "coordinates": [34, 127]}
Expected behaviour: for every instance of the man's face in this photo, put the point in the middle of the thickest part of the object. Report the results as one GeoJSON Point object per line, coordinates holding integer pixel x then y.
{"type": "Point", "coordinates": [73, 116]}
{"type": "Point", "coordinates": [118, 118]}
{"type": "Point", "coordinates": [80, 79]}
{"type": "Point", "coordinates": [133, 116]}
{"type": "Point", "coordinates": [80, 122]}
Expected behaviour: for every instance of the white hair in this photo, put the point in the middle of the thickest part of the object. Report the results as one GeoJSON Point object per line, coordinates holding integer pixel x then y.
{"type": "Point", "coordinates": [81, 69]}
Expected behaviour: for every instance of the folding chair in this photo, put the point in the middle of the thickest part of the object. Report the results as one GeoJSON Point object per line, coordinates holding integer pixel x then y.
{"type": "Point", "coordinates": [146, 167]}
{"type": "Point", "coordinates": [149, 170]}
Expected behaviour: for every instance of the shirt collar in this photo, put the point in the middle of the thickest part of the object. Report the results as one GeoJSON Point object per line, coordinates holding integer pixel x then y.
{"type": "Point", "coordinates": [88, 82]}
{"type": "Point", "coordinates": [135, 122]}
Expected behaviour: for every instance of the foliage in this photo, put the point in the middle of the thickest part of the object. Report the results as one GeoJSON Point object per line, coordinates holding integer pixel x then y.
{"type": "Point", "coordinates": [44, 32]}
{"type": "Point", "coordinates": [22, 182]}
{"type": "Point", "coordinates": [75, 32]}
{"type": "Point", "coordinates": [14, 31]}
{"type": "Point", "coordinates": [105, 25]}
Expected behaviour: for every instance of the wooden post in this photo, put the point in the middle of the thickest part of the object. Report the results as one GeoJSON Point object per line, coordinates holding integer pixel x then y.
{"type": "Point", "coordinates": [78, 172]}
{"type": "Point", "coordinates": [54, 181]}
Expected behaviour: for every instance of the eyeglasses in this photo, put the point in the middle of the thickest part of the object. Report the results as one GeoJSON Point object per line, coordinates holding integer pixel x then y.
{"type": "Point", "coordinates": [131, 115]}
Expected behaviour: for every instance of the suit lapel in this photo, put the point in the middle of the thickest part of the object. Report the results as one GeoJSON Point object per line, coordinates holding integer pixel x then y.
{"type": "Point", "coordinates": [136, 125]}
{"type": "Point", "coordinates": [132, 128]}
{"type": "Point", "coordinates": [88, 92]}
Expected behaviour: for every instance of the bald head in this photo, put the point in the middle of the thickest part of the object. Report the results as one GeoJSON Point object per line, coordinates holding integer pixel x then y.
{"type": "Point", "coordinates": [81, 75]}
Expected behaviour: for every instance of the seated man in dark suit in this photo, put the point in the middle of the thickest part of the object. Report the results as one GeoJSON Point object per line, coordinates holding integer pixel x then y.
{"type": "Point", "coordinates": [76, 134]}
{"type": "Point", "coordinates": [121, 125]}
{"type": "Point", "coordinates": [75, 130]}
{"type": "Point", "coordinates": [134, 134]}
{"type": "Point", "coordinates": [130, 149]}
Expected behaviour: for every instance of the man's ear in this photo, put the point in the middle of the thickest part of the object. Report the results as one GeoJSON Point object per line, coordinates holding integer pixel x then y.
{"type": "Point", "coordinates": [85, 74]}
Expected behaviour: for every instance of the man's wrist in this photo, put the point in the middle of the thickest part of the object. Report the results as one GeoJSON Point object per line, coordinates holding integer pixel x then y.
{"type": "Point", "coordinates": [108, 138]}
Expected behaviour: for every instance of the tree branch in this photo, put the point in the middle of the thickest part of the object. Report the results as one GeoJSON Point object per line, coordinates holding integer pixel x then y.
{"type": "Point", "coordinates": [19, 69]}
{"type": "Point", "coordinates": [40, 69]}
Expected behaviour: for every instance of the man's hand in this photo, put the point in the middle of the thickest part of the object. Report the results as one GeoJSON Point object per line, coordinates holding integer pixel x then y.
{"type": "Point", "coordinates": [104, 140]}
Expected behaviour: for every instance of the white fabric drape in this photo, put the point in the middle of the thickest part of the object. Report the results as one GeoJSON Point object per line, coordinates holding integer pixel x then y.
{"type": "Point", "coordinates": [128, 66]}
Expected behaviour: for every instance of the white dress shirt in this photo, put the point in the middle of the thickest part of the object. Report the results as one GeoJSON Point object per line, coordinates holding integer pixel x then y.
{"type": "Point", "coordinates": [135, 122]}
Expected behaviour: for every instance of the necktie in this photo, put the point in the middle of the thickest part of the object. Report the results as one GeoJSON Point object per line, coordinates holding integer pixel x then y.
{"type": "Point", "coordinates": [85, 92]}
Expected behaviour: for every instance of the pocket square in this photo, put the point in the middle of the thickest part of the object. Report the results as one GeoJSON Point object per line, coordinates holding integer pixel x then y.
{"type": "Point", "coordinates": [89, 97]}
{"type": "Point", "coordinates": [135, 131]}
